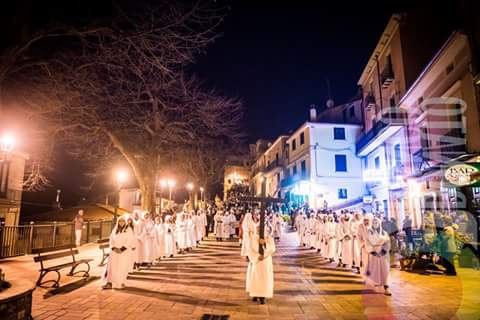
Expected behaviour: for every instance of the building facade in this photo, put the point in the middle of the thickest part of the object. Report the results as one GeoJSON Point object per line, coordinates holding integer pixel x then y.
{"type": "Point", "coordinates": [444, 131]}
{"type": "Point", "coordinates": [404, 48]}
{"type": "Point", "coordinates": [12, 169]}
{"type": "Point", "coordinates": [323, 169]}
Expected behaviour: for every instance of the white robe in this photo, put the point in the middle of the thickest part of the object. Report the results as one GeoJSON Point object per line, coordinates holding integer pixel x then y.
{"type": "Point", "coordinates": [218, 225]}
{"type": "Point", "coordinates": [248, 233]}
{"type": "Point", "coordinates": [191, 234]}
{"type": "Point", "coordinates": [140, 247]}
{"type": "Point", "coordinates": [347, 243]}
{"type": "Point", "coordinates": [363, 242]}
{"type": "Point", "coordinates": [378, 268]}
{"type": "Point", "coordinates": [330, 234]}
{"type": "Point", "coordinates": [181, 232]}
{"type": "Point", "coordinates": [199, 227]}
{"type": "Point", "coordinates": [160, 239]}
{"type": "Point", "coordinates": [150, 241]}
{"type": "Point", "coordinates": [355, 224]}
{"type": "Point", "coordinates": [170, 245]}
{"type": "Point", "coordinates": [277, 226]}
{"type": "Point", "coordinates": [119, 263]}
{"type": "Point", "coordinates": [259, 282]}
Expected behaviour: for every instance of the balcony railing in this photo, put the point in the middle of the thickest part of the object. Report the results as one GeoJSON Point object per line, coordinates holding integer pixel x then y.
{"type": "Point", "coordinates": [370, 101]}
{"type": "Point", "coordinates": [392, 118]}
{"type": "Point", "coordinates": [11, 195]}
{"type": "Point", "coordinates": [387, 76]}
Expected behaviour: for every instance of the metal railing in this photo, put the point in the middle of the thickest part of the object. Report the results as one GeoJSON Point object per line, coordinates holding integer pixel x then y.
{"type": "Point", "coordinates": [20, 240]}
{"type": "Point", "coordinates": [394, 118]}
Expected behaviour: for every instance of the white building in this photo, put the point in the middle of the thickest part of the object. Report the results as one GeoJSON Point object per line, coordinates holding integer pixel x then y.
{"type": "Point", "coordinates": [323, 169]}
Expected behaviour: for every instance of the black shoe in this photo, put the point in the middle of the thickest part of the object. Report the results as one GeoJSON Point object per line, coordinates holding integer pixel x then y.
{"type": "Point", "coordinates": [318, 250]}
{"type": "Point", "coordinates": [255, 299]}
{"type": "Point", "coordinates": [262, 300]}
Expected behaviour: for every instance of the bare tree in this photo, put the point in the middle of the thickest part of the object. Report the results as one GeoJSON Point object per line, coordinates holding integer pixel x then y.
{"type": "Point", "coordinates": [126, 94]}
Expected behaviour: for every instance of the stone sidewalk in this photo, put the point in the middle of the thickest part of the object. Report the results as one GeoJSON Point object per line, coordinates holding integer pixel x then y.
{"type": "Point", "coordinates": [211, 280]}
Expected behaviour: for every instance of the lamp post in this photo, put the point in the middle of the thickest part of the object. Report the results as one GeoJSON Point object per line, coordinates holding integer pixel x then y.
{"type": "Point", "coordinates": [120, 178]}
{"type": "Point", "coordinates": [7, 143]}
{"type": "Point", "coordinates": [171, 184]}
{"type": "Point", "coordinates": [190, 187]}
{"type": "Point", "coordinates": [202, 189]}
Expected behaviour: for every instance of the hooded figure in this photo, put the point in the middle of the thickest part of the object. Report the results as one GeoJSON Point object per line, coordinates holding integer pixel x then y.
{"type": "Point", "coordinates": [378, 245]}
{"type": "Point", "coordinates": [150, 239]}
{"type": "Point", "coordinates": [362, 236]}
{"type": "Point", "coordinates": [330, 236]}
{"type": "Point", "coordinates": [122, 240]}
{"type": "Point", "coordinates": [160, 228]}
{"type": "Point", "coordinates": [218, 228]}
{"type": "Point", "coordinates": [170, 245]}
{"type": "Point", "coordinates": [354, 225]}
{"type": "Point", "coordinates": [248, 233]}
{"type": "Point", "coordinates": [259, 280]}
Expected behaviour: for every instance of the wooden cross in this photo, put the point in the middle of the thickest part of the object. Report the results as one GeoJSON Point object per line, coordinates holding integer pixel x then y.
{"type": "Point", "coordinates": [263, 202]}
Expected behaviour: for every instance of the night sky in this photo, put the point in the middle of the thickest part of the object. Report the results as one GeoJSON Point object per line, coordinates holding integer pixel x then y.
{"type": "Point", "coordinates": [275, 56]}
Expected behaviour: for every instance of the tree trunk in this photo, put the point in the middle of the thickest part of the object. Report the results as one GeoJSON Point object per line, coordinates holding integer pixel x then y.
{"type": "Point", "coordinates": [147, 187]}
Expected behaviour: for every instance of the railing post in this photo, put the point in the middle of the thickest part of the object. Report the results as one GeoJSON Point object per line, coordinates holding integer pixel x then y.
{"type": "Point", "coordinates": [100, 236]}
{"type": "Point", "coordinates": [54, 233]}
{"type": "Point", "coordinates": [88, 231]}
{"type": "Point", "coordinates": [2, 231]}
{"type": "Point", "coordinates": [30, 238]}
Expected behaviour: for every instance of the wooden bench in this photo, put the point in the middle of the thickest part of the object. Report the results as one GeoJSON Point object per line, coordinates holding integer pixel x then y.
{"type": "Point", "coordinates": [55, 253]}
{"type": "Point", "coordinates": [104, 245]}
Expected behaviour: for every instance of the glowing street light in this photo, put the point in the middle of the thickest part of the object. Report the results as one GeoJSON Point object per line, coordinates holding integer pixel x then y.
{"type": "Point", "coordinates": [171, 184]}
{"type": "Point", "coordinates": [190, 186]}
{"type": "Point", "coordinates": [121, 176]}
{"type": "Point", "coordinates": [7, 142]}
{"type": "Point", "coordinates": [163, 183]}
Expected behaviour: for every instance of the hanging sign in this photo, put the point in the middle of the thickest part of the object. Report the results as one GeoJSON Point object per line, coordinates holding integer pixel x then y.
{"type": "Point", "coordinates": [462, 175]}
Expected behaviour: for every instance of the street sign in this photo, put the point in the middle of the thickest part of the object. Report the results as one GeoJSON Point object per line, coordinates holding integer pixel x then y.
{"type": "Point", "coordinates": [464, 174]}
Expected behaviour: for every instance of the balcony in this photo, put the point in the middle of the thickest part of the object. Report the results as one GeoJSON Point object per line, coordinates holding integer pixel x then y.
{"type": "Point", "coordinates": [397, 173]}
{"type": "Point", "coordinates": [387, 76]}
{"type": "Point", "coordinates": [390, 123]}
{"type": "Point", "coordinates": [370, 101]}
{"type": "Point", "coordinates": [272, 165]}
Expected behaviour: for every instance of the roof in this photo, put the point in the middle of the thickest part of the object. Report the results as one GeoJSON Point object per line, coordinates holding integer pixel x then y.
{"type": "Point", "coordinates": [335, 114]}
{"type": "Point", "coordinates": [382, 44]}
{"type": "Point", "coordinates": [91, 212]}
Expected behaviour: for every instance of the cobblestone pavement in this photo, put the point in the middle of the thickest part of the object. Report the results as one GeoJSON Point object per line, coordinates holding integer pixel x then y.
{"type": "Point", "coordinates": [211, 280]}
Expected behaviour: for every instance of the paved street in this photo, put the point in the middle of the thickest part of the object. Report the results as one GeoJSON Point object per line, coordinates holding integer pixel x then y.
{"type": "Point", "coordinates": [211, 281]}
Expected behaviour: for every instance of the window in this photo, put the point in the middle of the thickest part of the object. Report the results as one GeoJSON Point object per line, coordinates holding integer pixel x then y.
{"type": "Point", "coordinates": [278, 177]}
{"type": "Point", "coordinates": [302, 138]}
{"type": "Point", "coordinates": [377, 163]}
{"type": "Point", "coordinates": [398, 156]}
{"type": "Point", "coordinates": [385, 207]}
{"type": "Point", "coordinates": [339, 133]}
{"type": "Point", "coordinates": [340, 163]}
{"type": "Point", "coordinates": [276, 158]}
{"type": "Point", "coordinates": [294, 170]}
{"type": "Point", "coordinates": [352, 111]}
{"type": "Point", "coordinates": [303, 168]}
{"type": "Point", "coordinates": [294, 144]}
{"type": "Point", "coordinates": [366, 162]}
{"type": "Point", "coordinates": [342, 193]}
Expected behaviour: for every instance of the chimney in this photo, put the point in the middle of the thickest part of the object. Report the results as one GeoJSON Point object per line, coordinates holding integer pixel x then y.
{"type": "Point", "coordinates": [313, 113]}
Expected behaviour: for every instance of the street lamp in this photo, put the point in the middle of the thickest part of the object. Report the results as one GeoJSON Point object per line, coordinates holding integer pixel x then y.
{"type": "Point", "coordinates": [202, 189]}
{"type": "Point", "coordinates": [190, 187]}
{"type": "Point", "coordinates": [120, 177]}
{"type": "Point", "coordinates": [7, 143]}
{"type": "Point", "coordinates": [171, 184]}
